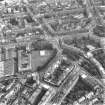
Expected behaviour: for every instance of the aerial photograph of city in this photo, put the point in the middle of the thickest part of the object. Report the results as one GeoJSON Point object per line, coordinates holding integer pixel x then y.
{"type": "Point", "coordinates": [52, 52]}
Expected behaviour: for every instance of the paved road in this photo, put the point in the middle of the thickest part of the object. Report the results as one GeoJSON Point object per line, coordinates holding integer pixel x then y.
{"type": "Point", "coordinates": [68, 84]}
